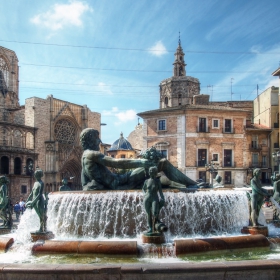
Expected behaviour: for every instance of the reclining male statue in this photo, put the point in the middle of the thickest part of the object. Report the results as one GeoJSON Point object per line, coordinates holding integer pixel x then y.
{"type": "Point", "coordinates": [96, 176]}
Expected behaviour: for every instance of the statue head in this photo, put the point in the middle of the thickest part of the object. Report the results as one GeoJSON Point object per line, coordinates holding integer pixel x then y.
{"type": "Point", "coordinates": [153, 171]}
{"type": "Point", "coordinates": [64, 181]}
{"type": "Point", "coordinates": [38, 174]}
{"type": "Point", "coordinates": [256, 172]}
{"type": "Point", "coordinates": [218, 179]}
{"type": "Point", "coordinates": [3, 179]}
{"type": "Point", "coordinates": [151, 154]}
{"type": "Point", "coordinates": [89, 139]}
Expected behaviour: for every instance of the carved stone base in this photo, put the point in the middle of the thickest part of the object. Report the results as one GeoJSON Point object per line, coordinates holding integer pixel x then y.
{"type": "Point", "coordinates": [255, 230]}
{"type": "Point", "coordinates": [5, 230]}
{"type": "Point", "coordinates": [37, 235]}
{"type": "Point", "coordinates": [154, 238]}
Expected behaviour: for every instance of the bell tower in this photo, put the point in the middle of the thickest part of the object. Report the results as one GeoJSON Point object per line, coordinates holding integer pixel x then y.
{"type": "Point", "coordinates": [179, 89]}
{"type": "Point", "coordinates": [179, 68]}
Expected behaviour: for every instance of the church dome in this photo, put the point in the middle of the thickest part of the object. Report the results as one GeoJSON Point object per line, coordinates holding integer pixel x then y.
{"type": "Point", "coordinates": [121, 144]}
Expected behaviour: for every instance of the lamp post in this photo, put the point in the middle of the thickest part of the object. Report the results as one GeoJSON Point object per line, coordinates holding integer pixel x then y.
{"type": "Point", "coordinates": [211, 167]}
{"type": "Point", "coordinates": [276, 157]}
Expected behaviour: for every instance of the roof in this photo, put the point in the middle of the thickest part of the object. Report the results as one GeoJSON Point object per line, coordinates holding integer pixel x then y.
{"type": "Point", "coordinates": [255, 126]}
{"type": "Point", "coordinates": [193, 107]}
{"type": "Point", "coordinates": [276, 72]}
{"type": "Point", "coordinates": [121, 144]}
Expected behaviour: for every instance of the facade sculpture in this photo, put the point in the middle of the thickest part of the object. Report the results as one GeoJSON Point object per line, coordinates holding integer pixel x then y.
{"type": "Point", "coordinates": [5, 208]}
{"type": "Point", "coordinates": [36, 199]}
{"type": "Point", "coordinates": [96, 175]}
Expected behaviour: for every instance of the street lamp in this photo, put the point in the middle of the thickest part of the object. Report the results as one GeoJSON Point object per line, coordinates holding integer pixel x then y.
{"type": "Point", "coordinates": [212, 167]}
{"type": "Point", "coordinates": [276, 157]}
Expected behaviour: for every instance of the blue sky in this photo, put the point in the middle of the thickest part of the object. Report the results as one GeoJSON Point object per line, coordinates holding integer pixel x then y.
{"type": "Point", "coordinates": [112, 55]}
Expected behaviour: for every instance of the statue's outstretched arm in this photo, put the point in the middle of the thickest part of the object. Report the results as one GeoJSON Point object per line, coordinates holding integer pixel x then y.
{"type": "Point", "coordinates": [259, 190]}
{"type": "Point", "coordinates": [119, 163]}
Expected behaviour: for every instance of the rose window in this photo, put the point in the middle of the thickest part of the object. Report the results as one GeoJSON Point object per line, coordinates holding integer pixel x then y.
{"type": "Point", "coordinates": [65, 132]}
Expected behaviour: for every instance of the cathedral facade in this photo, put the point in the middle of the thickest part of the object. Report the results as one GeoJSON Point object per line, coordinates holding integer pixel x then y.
{"type": "Point", "coordinates": [42, 133]}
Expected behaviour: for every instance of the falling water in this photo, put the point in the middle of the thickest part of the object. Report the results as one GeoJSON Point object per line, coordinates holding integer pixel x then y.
{"type": "Point", "coordinates": [120, 214]}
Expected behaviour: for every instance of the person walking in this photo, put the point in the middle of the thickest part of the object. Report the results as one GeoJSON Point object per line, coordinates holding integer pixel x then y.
{"type": "Point", "coordinates": [22, 205]}
{"type": "Point", "coordinates": [17, 210]}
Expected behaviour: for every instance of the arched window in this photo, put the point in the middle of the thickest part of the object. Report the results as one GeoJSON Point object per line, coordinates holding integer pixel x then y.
{"type": "Point", "coordinates": [65, 132]}
{"type": "Point", "coordinates": [17, 138]}
{"type": "Point", "coordinates": [17, 166]}
{"type": "Point", "coordinates": [166, 101]}
{"type": "Point", "coordinates": [5, 70]}
{"type": "Point", "coordinates": [180, 99]}
{"type": "Point", "coordinates": [29, 140]}
{"type": "Point", "coordinates": [4, 165]}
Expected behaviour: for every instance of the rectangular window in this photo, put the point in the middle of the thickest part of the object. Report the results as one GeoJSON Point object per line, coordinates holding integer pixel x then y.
{"type": "Point", "coordinates": [202, 125]}
{"type": "Point", "coordinates": [227, 177]}
{"type": "Point", "coordinates": [255, 160]}
{"type": "Point", "coordinates": [215, 123]}
{"type": "Point", "coordinates": [215, 157]}
{"type": "Point", "coordinates": [202, 176]}
{"type": "Point", "coordinates": [228, 158]}
{"type": "Point", "coordinates": [254, 141]}
{"type": "Point", "coordinates": [264, 161]}
{"type": "Point", "coordinates": [202, 157]}
{"type": "Point", "coordinates": [161, 125]}
{"type": "Point", "coordinates": [23, 189]}
{"type": "Point", "coordinates": [228, 125]}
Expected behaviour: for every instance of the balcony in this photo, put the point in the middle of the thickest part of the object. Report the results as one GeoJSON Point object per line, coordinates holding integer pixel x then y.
{"type": "Point", "coordinates": [228, 130]}
{"type": "Point", "coordinates": [255, 147]}
{"type": "Point", "coordinates": [229, 164]}
{"type": "Point", "coordinates": [201, 163]}
{"type": "Point", "coordinates": [205, 129]}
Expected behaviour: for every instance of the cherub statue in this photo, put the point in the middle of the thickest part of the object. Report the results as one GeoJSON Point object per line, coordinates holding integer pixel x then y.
{"type": "Point", "coordinates": [5, 208]}
{"type": "Point", "coordinates": [152, 204]}
{"type": "Point", "coordinates": [36, 199]}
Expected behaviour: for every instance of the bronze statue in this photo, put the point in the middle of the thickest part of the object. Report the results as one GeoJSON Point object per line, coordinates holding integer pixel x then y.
{"type": "Point", "coordinates": [36, 199]}
{"type": "Point", "coordinates": [257, 196]}
{"type": "Point", "coordinates": [96, 175]}
{"type": "Point", "coordinates": [152, 204]}
{"type": "Point", "coordinates": [5, 208]}
{"type": "Point", "coordinates": [276, 187]}
{"type": "Point", "coordinates": [64, 186]}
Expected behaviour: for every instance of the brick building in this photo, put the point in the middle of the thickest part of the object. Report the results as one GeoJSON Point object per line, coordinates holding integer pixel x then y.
{"type": "Point", "coordinates": [43, 132]}
{"type": "Point", "coordinates": [191, 131]}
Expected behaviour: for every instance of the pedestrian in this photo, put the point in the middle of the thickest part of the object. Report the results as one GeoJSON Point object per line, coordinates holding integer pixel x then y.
{"type": "Point", "coordinates": [22, 205]}
{"type": "Point", "coordinates": [17, 210]}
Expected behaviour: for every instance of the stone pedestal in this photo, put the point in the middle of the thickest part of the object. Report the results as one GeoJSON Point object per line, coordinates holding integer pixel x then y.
{"type": "Point", "coordinates": [255, 230]}
{"type": "Point", "coordinates": [5, 230]}
{"type": "Point", "coordinates": [154, 238]}
{"type": "Point", "coordinates": [37, 235]}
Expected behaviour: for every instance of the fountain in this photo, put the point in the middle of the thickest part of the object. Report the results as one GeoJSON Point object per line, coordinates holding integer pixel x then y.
{"type": "Point", "coordinates": [97, 233]}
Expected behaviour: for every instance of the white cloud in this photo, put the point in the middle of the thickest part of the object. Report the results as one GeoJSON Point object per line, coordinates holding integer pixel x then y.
{"type": "Point", "coordinates": [158, 49]}
{"type": "Point", "coordinates": [104, 88]}
{"type": "Point", "coordinates": [60, 16]}
{"type": "Point", "coordinates": [121, 116]}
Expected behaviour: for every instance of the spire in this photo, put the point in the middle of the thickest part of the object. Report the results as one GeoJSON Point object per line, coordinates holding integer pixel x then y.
{"type": "Point", "coordinates": [179, 63]}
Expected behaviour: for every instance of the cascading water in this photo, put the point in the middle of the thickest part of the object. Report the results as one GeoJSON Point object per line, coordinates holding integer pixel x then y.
{"type": "Point", "coordinates": [120, 214]}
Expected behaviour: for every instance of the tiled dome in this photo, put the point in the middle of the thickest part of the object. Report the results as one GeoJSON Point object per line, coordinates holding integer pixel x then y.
{"type": "Point", "coordinates": [121, 144]}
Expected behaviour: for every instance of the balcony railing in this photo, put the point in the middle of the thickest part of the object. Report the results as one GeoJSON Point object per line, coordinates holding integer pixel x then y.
{"type": "Point", "coordinates": [203, 129]}
{"type": "Point", "coordinates": [228, 130]}
{"type": "Point", "coordinates": [201, 163]}
{"type": "Point", "coordinates": [229, 164]}
{"type": "Point", "coordinates": [255, 146]}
